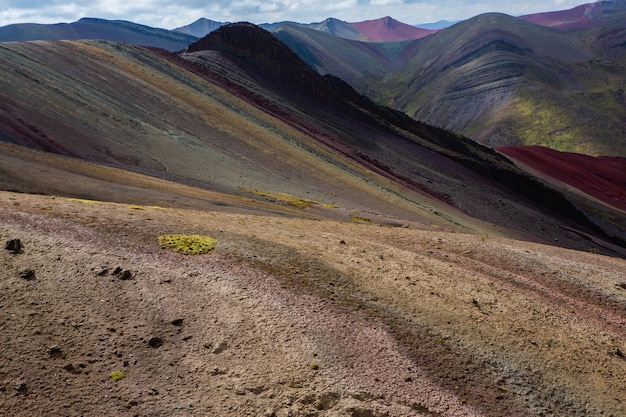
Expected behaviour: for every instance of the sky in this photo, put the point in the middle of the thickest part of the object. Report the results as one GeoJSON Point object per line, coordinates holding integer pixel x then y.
{"type": "Point", "coordinates": [170, 14]}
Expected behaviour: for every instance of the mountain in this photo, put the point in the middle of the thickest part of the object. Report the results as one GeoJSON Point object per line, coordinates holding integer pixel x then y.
{"type": "Point", "coordinates": [200, 27]}
{"type": "Point", "coordinates": [580, 17]}
{"type": "Point", "coordinates": [385, 29]}
{"type": "Point", "coordinates": [496, 78]}
{"type": "Point", "coordinates": [366, 263]}
{"type": "Point", "coordinates": [440, 24]}
{"type": "Point", "coordinates": [91, 28]}
{"type": "Point", "coordinates": [388, 29]}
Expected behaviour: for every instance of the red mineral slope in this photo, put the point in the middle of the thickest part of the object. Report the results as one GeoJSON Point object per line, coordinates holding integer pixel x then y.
{"type": "Point", "coordinates": [387, 29]}
{"type": "Point", "coordinates": [601, 177]}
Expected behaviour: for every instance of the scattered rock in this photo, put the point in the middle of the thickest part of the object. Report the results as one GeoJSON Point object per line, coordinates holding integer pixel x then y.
{"type": "Point", "coordinates": [342, 242]}
{"type": "Point", "coordinates": [117, 270]}
{"type": "Point", "coordinates": [155, 342]}
{"type": "Point", "coordinates": [221, 347]}
{"type": "Point", "coordinates": [125, 275]}
{"type": "Point", "coordinates": [218, 371]}
{"type": "Point", "coordinates": [55, 352]}
{"type": "Point", "coordinates": [131, 404]}
{"type": "Point", "coordinates": [13, 246]}
{"type": "Point", "coordinates": [620, 354]}
{"type": "Point", "coordinates": [72, 369]}
{"type": "Point", "coordinates": [103, 271]}
{"type": "Point", "coordinates": [177, 322]}
{"type": "Point", "coordinates": [27, 274]}
{"type": "Point", "coordinates": [621, 285]}
{"type": "Point", "coordinates": [21, 387]}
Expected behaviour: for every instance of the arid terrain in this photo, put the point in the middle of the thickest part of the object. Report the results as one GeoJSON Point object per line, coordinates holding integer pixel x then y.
{"type": "Point", "coordinates": [292, 316]}
{"type": "Point", "coordinates": [367, 264]}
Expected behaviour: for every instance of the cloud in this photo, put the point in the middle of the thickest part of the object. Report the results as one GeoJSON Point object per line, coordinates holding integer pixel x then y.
{"type": "Point", "coordinates": [170, 14]}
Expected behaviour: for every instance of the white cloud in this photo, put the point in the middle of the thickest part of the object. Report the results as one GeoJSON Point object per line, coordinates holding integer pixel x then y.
{"type": "Point", "coordinates": [170, 14]}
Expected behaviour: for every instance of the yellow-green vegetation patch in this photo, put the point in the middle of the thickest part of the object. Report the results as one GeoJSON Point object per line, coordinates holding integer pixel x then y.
{"type": "Point", "coordinates": [157, 207]}
{"type": "Point", "coordinates": [297, 202]}
{"type": "Point", "coordinates": [84, 201]}
{"type": "Point", "coordinates": [188, 244]}
{"type": "Point", "coordinates": [358, 219]}
{"type": "Point", "coordinates": [117, 375]}
{"type": "Point", "coordinates": [136, 207]}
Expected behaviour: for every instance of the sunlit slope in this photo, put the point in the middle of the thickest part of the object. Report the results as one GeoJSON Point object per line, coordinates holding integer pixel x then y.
{"type": "Point", "coordinates": [224, 117]}
{"type": "Point", "coordinates": [116, 104]}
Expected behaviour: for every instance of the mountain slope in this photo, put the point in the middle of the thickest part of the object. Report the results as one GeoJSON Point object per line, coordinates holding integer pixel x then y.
{"type": "Point", "coordinates": [500, 80]}
{"type": "Point", "coordinates": [91, 28]}
{"type": "Point", "coordinates": [367, 264]}
{"type": "Point", "coordinates": [583, 16]}
{"type": "Point", "coordinates": [284, 129]}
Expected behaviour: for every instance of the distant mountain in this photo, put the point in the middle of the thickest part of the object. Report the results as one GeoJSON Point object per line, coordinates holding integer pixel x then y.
{"type": "Point", "coordinates": [91, 28]}
{"type": "Point", "coordinates": [200, 27]}
{"type": "Point", "coordinates": [440, 24]}
{"type": "Point", "coordinates": [385, 29]}
{"type": "Point", "coordinates": [580, 17]}
{"type": "Point", "coordinates": [498, 79]}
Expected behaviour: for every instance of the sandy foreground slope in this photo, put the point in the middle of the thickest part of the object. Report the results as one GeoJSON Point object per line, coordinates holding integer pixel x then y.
{"type": "Point", "coordinates": [289, 316]}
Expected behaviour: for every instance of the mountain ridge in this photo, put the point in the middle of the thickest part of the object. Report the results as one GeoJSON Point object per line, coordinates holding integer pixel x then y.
{"type": "Point", "coordinates": [366, 264]}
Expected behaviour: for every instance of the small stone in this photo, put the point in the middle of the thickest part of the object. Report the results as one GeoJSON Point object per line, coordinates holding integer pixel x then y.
{"type": "Point", "coordinates": [55, 352]}
{"type": "Point", "coordinates": [132, 403]}
{"type": "Point", "coordinates": [13, 246]}
{"type": "Point", "coordinates": [177, 322]}
{"type": "Point", "coordinates": [117, 270]}
{"type": "Point", "coordinates": [342, 242]}
{"type": "Point", "coordinates": [125, 275]}
{"type": "Point", "coordinates": [155, 342]}
{"type": "Point", "coordinates": [620, 354]}
{"type": "Point", "coordinates": [103, 271]}
{"type": "Point", "coordinates": [72, 369]}
{"type": "Point", "coordinates": [21, 387]}
{"type": "Point", "coordinates": [220, 348]}
{"type": "Point", "coordinates": [27, 274]}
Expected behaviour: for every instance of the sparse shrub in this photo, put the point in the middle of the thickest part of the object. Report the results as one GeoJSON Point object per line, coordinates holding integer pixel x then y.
{"type": "Point", "coordinates": [84, 201]}
{"type": "Point", "coordinates": [315, 366]}
{"type": "Point", "coordinates": [358, 219]}
{"type": "Point", "coordinates": [294, 201]}
{"type": "Point", "coordinates": [117, 375]}
{"type": "Point", "coordinates": [188, 244]}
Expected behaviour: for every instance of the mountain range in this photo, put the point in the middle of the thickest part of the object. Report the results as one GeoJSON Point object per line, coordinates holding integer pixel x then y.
{"type": "Point", "coordinates": [550, 79]}
{"type": "Point", "coordinates": [495, 78]}
{"type": "Point", "coordinates": [367, 263]}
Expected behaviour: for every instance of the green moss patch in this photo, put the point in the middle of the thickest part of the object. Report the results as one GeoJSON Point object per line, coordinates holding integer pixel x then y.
{"type": "Point", "coordinates": [117, 375]}
{"type": "Point", "coordinates": [188, 244]}
{"type": "Point", "coordinates": [294, 201]}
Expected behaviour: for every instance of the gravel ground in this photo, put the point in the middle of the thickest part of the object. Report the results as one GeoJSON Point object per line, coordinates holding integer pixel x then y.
{"type": "Point", "coordinates": [294, 317]}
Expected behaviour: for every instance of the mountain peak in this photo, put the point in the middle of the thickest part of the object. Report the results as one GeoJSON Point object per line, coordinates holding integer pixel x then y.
{"type": "Point", "coordinates": [257, 47]}
{"type": "Point", "coordinates": [388, 29]}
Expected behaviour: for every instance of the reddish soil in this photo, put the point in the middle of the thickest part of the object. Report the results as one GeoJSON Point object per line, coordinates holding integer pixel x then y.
{"type": "Point", "coordinates": [295, 317]}
{"type": "Point", "coordinates": [601, 177]}
{"type": "Point", "coordinates": [575, 18]}
{"type": "Point", "coordinates": [387, 29]}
